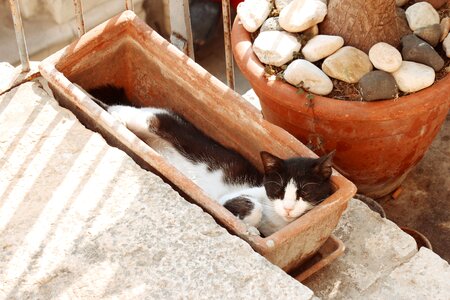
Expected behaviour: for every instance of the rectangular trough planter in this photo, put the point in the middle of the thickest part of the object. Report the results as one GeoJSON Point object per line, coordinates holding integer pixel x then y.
{"type": "Point", "coordinates": [125, 52]}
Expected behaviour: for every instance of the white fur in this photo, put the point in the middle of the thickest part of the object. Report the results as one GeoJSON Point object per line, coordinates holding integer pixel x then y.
{"type": "Point", "coordinates": [280, 212]}
{"type": "Point", "coordinates": [137, 120]}
{"type": "Point", "coordinates": [268, 216]}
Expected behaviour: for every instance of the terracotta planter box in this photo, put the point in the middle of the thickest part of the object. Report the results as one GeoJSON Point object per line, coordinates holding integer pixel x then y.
{"type": "Point", "coordinates": [127, 53]}
{"type": "Point", "coordinates": [377, 143]}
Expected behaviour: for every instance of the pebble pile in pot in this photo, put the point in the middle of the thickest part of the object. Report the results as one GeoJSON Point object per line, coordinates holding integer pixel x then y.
{"type": "Point", "coordinates": [288, 38]}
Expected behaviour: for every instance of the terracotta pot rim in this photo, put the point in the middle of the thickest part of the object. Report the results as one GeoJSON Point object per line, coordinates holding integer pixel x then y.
{"type": "Point", "coordinates": [253, 70]}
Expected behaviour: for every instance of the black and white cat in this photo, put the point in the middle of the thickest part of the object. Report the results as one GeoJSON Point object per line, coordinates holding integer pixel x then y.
{"type": "Point", "coordinates": [269, 201]}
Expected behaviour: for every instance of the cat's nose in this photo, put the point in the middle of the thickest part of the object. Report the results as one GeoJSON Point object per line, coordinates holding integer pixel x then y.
{"type": "Point", "coordinates": [288, 210]}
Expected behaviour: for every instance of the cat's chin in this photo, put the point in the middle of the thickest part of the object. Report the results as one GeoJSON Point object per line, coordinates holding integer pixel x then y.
{"type": "Point", "coordinates": [289, 219]}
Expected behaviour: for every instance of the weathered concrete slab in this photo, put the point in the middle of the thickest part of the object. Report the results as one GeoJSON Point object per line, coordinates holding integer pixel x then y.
{"type": "Point", "coordinates": [6, 75]}
{"type": "Point", "coordinates": [425, 276]}
{"type": "Point", "coordinates": [374, 247]}
{"type": "Point", "coordinates": [79, 219]}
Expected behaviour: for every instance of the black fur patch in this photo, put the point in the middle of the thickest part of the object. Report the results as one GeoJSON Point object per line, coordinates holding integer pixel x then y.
{"type": "Point", "coordinates": [198, 147]}
{"type": "Point", "coordinates": [239, 206]}
{"type": "Point", "coordinates": [111, 95]}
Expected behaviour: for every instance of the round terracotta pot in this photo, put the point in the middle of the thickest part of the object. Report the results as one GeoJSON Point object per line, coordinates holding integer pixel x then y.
{"type": "Point", "coordinates": [377, 143]}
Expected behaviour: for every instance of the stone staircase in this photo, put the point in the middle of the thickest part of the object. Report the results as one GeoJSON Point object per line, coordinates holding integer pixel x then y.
{"type": "Point", "coordinates": [79, 219]}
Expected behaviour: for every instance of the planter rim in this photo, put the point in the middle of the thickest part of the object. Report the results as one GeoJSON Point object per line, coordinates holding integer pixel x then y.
{"type": "Point", "coordinates": [253, 70]}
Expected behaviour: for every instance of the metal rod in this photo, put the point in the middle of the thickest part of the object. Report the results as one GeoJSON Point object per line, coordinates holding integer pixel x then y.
{"type": "Point", "coordinates": [20, 35]}
{"type": "Point", "coordinates": [227, 41]}
{"type": "Point", "coordinates": [79, 14]}
{"type": "Point", "coordinates": [180, 26]}
{"type": "Point", "coordinates": [129, 5]}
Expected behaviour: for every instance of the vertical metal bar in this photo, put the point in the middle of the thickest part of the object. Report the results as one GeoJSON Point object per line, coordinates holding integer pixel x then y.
{"type": "Point", "coordinates": [129, 5]}
{"type": "Point", "coordinates": [180, 26]}
{"type": "Point", "coordinates": [227, 42]}
{"type": "Point", "coordinates": [20, 35]}
{"type": "Point", "coordinates": [79, 15]}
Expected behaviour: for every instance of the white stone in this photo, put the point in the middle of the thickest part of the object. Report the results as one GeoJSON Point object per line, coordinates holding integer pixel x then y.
{"type": "Point", "coordinates": [385, 57]}
{"type": "Point", "coordinates": [322, 46]}
{"type": "Point", "coordinates": [412, 77]}
{"type": "Point", "coordinates": [253, 13]}
{"type": "Point", "coordinates": [280, 4]}
{"type": "Point", "coordinates": [276, 47]}
{"type": "Point", "coordinates": [314, 79]}
{"type": "Point", "coordinates": [421, 14]}
{"type": "Point", "coordinates": [347, 64]}
{"type": "Point", "coordinates": [445, 28]}
{"type": "Point", "coordinates": [300, 15]}
{"type": "Point", "coordinates": [446, 45]}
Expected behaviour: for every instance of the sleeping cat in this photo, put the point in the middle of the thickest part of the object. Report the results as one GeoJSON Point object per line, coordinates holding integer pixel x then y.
{"type": "Point", "coordinates": [269, 201]}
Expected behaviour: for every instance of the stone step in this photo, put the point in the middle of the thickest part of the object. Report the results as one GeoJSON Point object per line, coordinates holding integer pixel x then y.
{"type": "Point", "coordinates": [380, 261]}
{"type": "Point", "coordinates": [79, 219]}
{"type": "Point", "coordinates": [374, 247]}
{"type": "Point", "coordinates": [424, 276]}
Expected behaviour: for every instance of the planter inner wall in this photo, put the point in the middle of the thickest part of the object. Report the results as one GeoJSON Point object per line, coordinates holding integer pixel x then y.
{"type": "Point", "coordinates": [126, 53]}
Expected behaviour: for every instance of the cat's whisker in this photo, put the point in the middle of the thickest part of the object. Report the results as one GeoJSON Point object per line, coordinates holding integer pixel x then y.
{"type": "Point", "coordinates": [309, 183]}
{"type": "Point", "coordinates": [275, 182]}
{"type": "Point", "coordinates": [281, 178]}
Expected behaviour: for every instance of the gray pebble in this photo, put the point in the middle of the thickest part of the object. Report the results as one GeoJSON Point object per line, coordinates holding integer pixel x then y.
{"type": "Point", "coordinates": [430, 34]}
{"type": "Point", "coordinates": [271, 24]}
{"type": "Point", "coordinates": [377, 85]}
{"type": "Point", "coordinates": [417, 50]}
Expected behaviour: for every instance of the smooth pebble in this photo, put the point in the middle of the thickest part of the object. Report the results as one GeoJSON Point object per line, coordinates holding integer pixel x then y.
{"type": "Point", "coordinates": [377, 85]}
{"type": "Point", "coordinates": [446, 45]}
{"type": "Point", "coordinates": [417, 50]}
{"type": "Point", "coordinates": [445, 28]}
{"type": "Point", "coordinates": [313, 78]}
{"type": "Point", "coordinates": [385, 57]}
{"type": "Point", "coordinates": [271, 24]}
{"type": "Point", "coordinates": [430, 34]}
{"type": "Point", "coordinates": [300, 15]}
{"type": "Point", "coordinates": [348, 64]}
{"type": "Point", "coordinates": [275, 47]}
{"type": "Point", "coordinates": [412, 77]}
{"type": "Point", "coordinates": [253, 13]}
{"type": "Point", "coordinates": [322, 46]}
{"type": "Point", "coordinates": [421, 14]}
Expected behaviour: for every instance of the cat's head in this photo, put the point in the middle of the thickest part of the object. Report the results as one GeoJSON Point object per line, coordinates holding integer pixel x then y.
{"type": "Point", "coordinates": [296, 185]}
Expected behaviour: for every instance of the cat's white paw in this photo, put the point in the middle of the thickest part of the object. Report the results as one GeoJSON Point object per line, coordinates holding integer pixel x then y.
{"type": "Point", "coordinates": [255, 216]}
{"type": "Point", "coordinates": [253, 231]}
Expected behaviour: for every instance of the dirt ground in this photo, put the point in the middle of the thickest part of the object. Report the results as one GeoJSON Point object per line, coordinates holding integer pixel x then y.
{"type": "Point", "coordinates": [424, 203]}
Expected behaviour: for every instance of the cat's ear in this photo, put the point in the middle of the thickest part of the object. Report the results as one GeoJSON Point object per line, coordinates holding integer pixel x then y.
{"type": "Point", "coordinates": [324, 164]}
{"type": "Point", "coordinates": [271, 162]}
